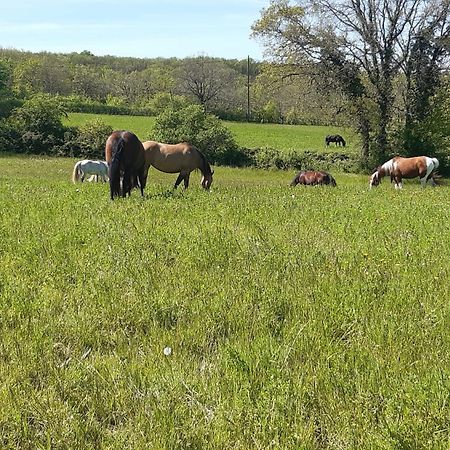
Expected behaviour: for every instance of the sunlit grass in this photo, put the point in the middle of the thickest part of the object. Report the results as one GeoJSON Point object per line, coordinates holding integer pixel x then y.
{"type": "Point", "coordinates": [297, 317]}
{"type": "Point", "coordinates": [298, 138]}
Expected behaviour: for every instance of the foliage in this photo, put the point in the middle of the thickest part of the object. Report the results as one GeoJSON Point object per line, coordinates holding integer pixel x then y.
{"type": "Point", "coordinates": [271, 158]}
{"type": "Point", "coordinates": [314, 37]}
{"type": "Point", "coordinates": [192, 124]}
{"type": "Point", "coordinates": [295, 318]}
{"type": "Point", "coordinates": [7, 99]}
{"type": "Point", "coordinates": [38, 122]}
{"type": "Point", "coordinates": [87, 141]}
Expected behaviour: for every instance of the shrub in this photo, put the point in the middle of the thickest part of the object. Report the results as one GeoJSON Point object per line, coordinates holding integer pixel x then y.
{"type": "Point", "coordinates": [192, 124]}
{"type": "Point", "coordinates": [87, 141]}
{"type": "Point", "coordinates": [38, 124]}
{"type": "Point", "coordinates": [9, 138]}
{"type": "Point", "coordinates": [271, 158]}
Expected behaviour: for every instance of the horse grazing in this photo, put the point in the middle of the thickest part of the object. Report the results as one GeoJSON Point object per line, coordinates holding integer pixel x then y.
{"type": "Point", "coordinates": [88, 167]}
{"type": "Point", "coordinates": [398, 168]}
{"type": "Point", "coordinates": [336, 138]}
{"type": "Point", "coordinates": [313, 178]}
{"type": "Point", "coordinates": [180, 158]}
{"type": "Point", "coordinates": [124, 154]}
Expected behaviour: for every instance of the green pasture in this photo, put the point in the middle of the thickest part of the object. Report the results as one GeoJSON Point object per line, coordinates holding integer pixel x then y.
{"type": "Point", "coordinates": [298, 318]}
{"type": "Point", "coordinates": [251, 135]}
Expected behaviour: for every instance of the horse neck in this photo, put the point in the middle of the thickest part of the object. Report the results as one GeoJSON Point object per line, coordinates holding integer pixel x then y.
{"type": "Point", "coordinates": [204, 166]}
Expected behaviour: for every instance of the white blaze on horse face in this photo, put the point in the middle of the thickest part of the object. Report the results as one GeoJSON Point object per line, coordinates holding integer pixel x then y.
{"type": "Point", "coordinates": [373, 180]}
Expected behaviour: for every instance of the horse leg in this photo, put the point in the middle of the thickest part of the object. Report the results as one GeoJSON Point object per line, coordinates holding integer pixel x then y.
{"type": "Point", "coordinates": [126, 185]}
{"type": "Point", "coordinates": [186, 180]}
{"type": "Point", "coordinates": [179, 179]}
{"type": "Point", "coordinates": [142, 177]}
{"type": "Point", "coordinates": [398, 182]}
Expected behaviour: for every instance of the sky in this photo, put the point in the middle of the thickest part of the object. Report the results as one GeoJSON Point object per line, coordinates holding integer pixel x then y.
{"type": "Point", "coordinates": [138, 28]}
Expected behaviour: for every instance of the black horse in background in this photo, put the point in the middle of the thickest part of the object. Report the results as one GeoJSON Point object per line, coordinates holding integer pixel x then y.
{"type": "Point", "coordinates": [336, 138]}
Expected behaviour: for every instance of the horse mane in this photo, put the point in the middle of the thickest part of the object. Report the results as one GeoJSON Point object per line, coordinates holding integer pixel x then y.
{"type": "Point", "coordinates": [206, 168]}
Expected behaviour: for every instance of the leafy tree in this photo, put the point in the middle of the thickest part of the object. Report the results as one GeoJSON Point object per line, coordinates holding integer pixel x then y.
{"type": "Point", "coordinates": [39, 123]}
{"type": "Point", "coordinates": [205, 79]}
{"type": "Point", "coordinates": [7, 99]}
{"type": "Point", "coordinates": [362, 46]}
{"type": "Point", "coordinates": [192, 124]}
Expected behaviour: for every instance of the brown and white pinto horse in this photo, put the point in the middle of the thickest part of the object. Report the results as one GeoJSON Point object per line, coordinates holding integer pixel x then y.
{"type": "Point", "coordinates": [124, 154]}
{"type": "Point", "coordinates": [398, 168]}
{"type": "Point", "coordinates": [180, 158]}
{"type": "Point", "coordinates": [312, 178]}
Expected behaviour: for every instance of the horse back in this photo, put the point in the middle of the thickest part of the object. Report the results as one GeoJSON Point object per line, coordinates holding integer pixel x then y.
{"type": "Point", "coordinates": [172, 158]}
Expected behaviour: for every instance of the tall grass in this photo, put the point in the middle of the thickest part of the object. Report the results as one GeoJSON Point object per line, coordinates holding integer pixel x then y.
{"type": "Point", "coordinates": [297, 318]}
{"type": "Point", "coordinates": [251, 135]}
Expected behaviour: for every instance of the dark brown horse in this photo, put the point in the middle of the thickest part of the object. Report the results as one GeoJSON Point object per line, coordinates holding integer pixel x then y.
{"type": "Point", "coordinates": [180, 158]}
{"type": "Point", "coordinates": [124, 154]}
{"type": "Point", "coordinates": [313, 178]}
{"type": "Point", "coordinates": [398, 168]}
{"type": "Point", "coordinates": [336, 138]}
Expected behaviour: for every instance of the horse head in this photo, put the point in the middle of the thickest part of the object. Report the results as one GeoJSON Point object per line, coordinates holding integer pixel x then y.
{"type": "Point", "coordinates": [207, 180]}
{"type": "Point", "coordinates": [375, 179]}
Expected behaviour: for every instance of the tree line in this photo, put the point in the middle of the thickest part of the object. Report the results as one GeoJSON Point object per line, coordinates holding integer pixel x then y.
{"type": "Point", "coordinates": [122, 85]}
{"type": "Point", "coordinates": [378, 66]}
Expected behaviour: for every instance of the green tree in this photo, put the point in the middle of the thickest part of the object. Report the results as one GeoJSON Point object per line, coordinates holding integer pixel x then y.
{"type": "Point", "coordinates": [39, 123]}
{"type": "Point", "coordinates": [192, 124]}
{"type": "Point", "coordinates": [361, 46]}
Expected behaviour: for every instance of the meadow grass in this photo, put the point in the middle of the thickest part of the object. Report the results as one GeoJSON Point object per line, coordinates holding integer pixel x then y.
{"type": "Point", "coordinates": [297, 317]}
{"type": "Point", "coordinates": [298, 138]}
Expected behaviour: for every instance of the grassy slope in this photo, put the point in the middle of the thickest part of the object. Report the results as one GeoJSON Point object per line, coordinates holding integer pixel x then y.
{"type": "Point", "coordinates": [283, 137]}
{"type": "Point", "coordinates": [298, 318]}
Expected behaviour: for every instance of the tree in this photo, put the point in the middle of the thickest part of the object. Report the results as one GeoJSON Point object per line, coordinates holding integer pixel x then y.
{"type": "Point", "coordinates": [361, 45]}
{"type": "Point", "coordinates": [194, 125]}
{"type": "Point", "coordinates": [39, 123]}
{"type": "Point", "coordinates": [205, 79]}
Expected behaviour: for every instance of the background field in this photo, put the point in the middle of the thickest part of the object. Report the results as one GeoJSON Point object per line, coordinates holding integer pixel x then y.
{"type": "Point", "coordinates": [250, 135]}
{"type": "Point", "coordinates": [298, 318]}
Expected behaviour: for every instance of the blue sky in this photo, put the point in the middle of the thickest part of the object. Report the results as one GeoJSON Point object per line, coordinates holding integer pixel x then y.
{"type": "Point", "coordinates": [140, 28]}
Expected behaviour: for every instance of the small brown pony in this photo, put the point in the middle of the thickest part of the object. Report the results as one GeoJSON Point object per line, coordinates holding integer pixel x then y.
{"type": "Point", "coordinates": [398, 168]}
{"type": "Point", "coordinates": [124, 154]}
{"type": "Point", "coordinates": [313, 178]}
{"type": "Point", "coordinates": [174, 158]}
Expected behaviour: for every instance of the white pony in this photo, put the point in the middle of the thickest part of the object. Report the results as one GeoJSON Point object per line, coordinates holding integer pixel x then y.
{"type": "Point", "coordinates": [88, 167]}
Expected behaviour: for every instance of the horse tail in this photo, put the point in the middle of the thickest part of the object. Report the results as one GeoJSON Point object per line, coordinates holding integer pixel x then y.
{"type": "Point", "coordinates": [76, 172]}
{"type": "Point", "coordinates": [114, 168]}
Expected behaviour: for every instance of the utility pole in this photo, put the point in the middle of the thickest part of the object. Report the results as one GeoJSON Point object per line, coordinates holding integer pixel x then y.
{"type": "Point", "coordinates": [248, 88]}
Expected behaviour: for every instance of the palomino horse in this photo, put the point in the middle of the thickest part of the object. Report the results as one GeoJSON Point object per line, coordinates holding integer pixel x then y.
{"type": "Point", "coordinates": [124, 154]}
{"type": "Point", "coordinates": [174, 158]}
{"type": "Point", "coordinates": [336, 138]}
{"type": "Point", "coordinates": [312, 178]}
{"type": "Point", "coordinates": [398, 168]}
{"type": "Point", "coordinates": [88, 167]}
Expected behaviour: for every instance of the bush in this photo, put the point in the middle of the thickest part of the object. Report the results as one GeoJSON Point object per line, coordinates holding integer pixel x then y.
{"type": "Point", "coordinates": [205, 131]}
{"type": "Point", "coordinates": [38, 124]}
{"type": "Point", "coordinates": [9, 138]}
{"type": "Point", "coordinates": [87, 141]}
{"type": "Point", "coordinates": [270, 158]}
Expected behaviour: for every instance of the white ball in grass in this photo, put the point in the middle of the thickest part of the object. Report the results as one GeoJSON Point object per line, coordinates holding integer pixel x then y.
{"type": "Point", "coordinates": [167, 351]}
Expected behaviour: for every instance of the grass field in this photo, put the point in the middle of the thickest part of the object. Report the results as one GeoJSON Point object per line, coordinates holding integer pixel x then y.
{"type": "Point", "coordinates": [250, 135]}
{"type": "Point", "coordinates": [297, 318]}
